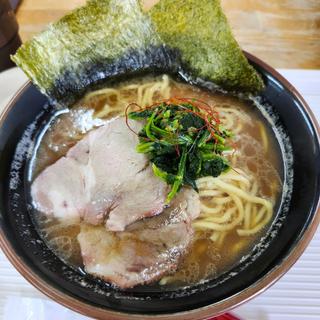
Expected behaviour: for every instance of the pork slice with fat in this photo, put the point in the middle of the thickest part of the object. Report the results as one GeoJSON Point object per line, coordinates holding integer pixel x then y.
{"type": "Point", "coordinates": [101, 178]}
{"type": "Point", "coordinates": [148, 250]}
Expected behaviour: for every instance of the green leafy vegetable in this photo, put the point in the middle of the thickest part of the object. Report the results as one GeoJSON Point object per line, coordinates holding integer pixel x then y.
{"type": "Point", "coordinates": [201, 33]}
{"type": "Point", "coordinates": [184, 140]}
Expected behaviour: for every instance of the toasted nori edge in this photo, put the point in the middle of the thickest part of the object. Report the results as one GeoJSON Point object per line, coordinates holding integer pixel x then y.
{"type": "Point", "coordinates": [199, 30]}
{"type": "Point", "coordinates": [94, 75]}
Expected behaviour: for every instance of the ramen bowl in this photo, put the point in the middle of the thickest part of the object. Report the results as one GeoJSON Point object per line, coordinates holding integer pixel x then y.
{"type": "Point", "coordinates": [292, 228]}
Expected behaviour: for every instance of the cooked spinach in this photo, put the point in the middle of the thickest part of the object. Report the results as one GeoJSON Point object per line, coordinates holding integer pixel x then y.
{"type": "Point", "coordinates": [184, 140]}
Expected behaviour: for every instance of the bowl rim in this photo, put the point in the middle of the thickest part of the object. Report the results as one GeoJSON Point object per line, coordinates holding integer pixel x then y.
{"type": "Point", "coordinates": [200, 313]}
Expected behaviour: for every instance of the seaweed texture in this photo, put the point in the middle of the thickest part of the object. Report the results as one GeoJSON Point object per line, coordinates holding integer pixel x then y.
{"type": "Point", "coordinates": [101, 39]}
{"type": "Point", "coordinates": [107, 39]}
{"type": "Point", "coordinates": [201, 33]}
{"type": "Point", "coordinates": [67, 88]}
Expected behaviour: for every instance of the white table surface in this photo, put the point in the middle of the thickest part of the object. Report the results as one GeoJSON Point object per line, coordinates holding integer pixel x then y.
{"type": "Point", "coordinates": [296, 296]}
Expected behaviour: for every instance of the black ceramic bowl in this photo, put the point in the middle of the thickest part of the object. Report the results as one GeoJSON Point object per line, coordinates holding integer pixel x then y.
{"type": "Point", "coordinates": [288, 236]}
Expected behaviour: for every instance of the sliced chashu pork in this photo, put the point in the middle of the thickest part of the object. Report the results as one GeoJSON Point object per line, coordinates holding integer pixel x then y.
{"type": "Point", "coordinates": [101, 177]}
{"type": "Point", "coordinates": [148, 250]}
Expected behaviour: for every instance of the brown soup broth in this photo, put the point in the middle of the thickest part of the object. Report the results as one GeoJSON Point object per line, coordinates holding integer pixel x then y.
{"type": "Point", "coordinates": [204, 260]}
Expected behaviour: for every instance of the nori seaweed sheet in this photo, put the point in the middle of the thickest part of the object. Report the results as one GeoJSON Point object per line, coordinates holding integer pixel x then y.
{"type": "Point", "coordinates": [67, 88]}
{"type": "Point", "coordinates": [201, 33]}
{"type": "Point", "coordinates": [102, 39]}
{"type": "Point", "coordinates": [107, 39]}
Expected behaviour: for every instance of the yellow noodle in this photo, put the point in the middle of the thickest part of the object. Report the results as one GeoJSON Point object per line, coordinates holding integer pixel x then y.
{"type": "Point", "coordinates": [243, 186]}
{"type": "Point", "coordinates": [238, 177]}
{"type": "Point", "coordinates": [254, 213]}
{"type": "Point", "coordinates": [165, 280]}
{"type": "Point", "coordinates": [223, 227]}
{"type": "Point", "coordinates": [212, 199]}
{"type": "Point", "coordinates": [254, 188]}
{"type": "Point", "coordinates": [215, 236]}
{"type": "Point", "coordinates": [207, 210]}
{"type": "Point", "coordinates": [258, 217]}
{"type": "Point", "coordinates": [257, 228]}
{"type": "Point", "coordinates": [264, 136]}
{"type": "Point", "coordinates": [222, 200]}
{"type": "Point", "coordinates": [105, 92]}
{"type": "Point", "coordinates": [242, 194]}
{"type": "Point", "coordinates": [221, 239]}
{"type": "Point", "coordinates": [116, 100]}
{"type": "Point", "coordinates": [131, 87]}
{"type": "Point", "coordinates": [242, 210]}
{"type": "Point", "coordinates": [207, 193]}
{"type": "Point", "coordinates": [232, 118]}
{"type": "Point", "coordinates": [247, 215]}
{"type": "Point", "coordinates": [224, 218]}
{"type": "Point", "coordinates": [250, 210]}
{"type": "Point", "coordinates": [142, 96]}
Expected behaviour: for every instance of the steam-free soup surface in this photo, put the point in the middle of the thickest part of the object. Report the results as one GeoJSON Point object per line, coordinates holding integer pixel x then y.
{"type": "Point", "coordinates": [236, 207]}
